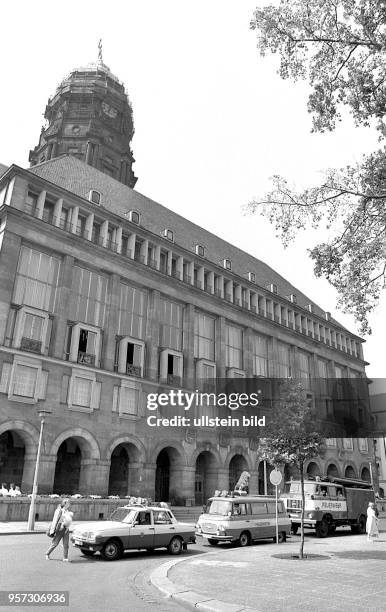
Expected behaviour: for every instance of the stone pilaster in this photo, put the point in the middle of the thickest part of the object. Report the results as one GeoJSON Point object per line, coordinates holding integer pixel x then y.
{"type": "Point", "coordinates": [59, 327]}
{"type": "Point", "coordinates": [111, 326]}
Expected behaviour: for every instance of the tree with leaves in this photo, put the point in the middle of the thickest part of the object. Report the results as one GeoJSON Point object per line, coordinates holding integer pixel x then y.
{"type": "Point", "coordinates": [291, 438]}
{"type": "Point", "coordinates": [339, 46]}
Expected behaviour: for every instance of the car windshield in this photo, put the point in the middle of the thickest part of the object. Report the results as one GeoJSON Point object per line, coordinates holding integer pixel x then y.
{"type": "Point", "coordinates": [295, 487]}
{"type": "Point", "coordinates": [123, 515]}
{"type": "Point", "coordinates": [219, 506]}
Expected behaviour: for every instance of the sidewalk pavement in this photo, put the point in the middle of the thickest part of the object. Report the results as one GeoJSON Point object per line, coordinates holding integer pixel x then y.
{"type": "Point", "coordinates": [346, 573]}
{"type": "Point", "coordinates": [21, 527]}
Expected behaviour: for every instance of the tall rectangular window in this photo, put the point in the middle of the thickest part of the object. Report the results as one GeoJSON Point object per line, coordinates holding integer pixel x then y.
{"type": "Point", "coordinates": [260, 355]}
{"type": "Point", "coordinates": [204, 336]}
{"type": "Point", "coordinates": [322, 368]}
{"type": "Point", "coordinates": [132, 311]}
{"type": "Point", "coordinates": [170, 324]}
{"type": "Point", "coordinates": [89, 297]}
{"type": "Point", "coordinates": [284, 360]}
{"type": "Point", "coordinates": [36, 279]}
{"type": "Point", "coordinates": [304, 366]}
{"type": "Point", "coordinates": [323, 376]}
{"type": "Point", "coordinates": [234, 347]}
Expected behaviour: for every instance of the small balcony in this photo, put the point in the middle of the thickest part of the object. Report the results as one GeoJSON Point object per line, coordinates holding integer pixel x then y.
{"type": "Point", "coordinates": [173, 380]}
{"type": "Point", "coordinates": [86, 358]}
{"type": "Point", "coordinates": [133, 370]}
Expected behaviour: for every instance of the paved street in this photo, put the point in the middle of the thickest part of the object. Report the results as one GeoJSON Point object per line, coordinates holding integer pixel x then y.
{"type": "Point", "coordinates": [94, 584]}
{"type": "Point", "coordinates": [348, 575]}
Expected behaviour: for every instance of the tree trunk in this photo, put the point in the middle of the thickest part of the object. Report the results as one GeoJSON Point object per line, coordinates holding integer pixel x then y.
{"type": "Point", "coordinates": [301, 464]}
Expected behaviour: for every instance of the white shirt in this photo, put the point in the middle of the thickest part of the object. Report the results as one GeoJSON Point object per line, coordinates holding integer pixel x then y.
{"type": "Point", "coordinates": [4, 492]}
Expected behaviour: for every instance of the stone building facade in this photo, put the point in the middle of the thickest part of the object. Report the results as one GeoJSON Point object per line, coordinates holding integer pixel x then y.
{"type": "Point", "coordinates": [106, 296]}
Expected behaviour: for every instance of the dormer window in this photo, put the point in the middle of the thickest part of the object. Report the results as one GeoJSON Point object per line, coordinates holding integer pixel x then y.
{"type": "Point", "coordinates": [252, 277]}
{"type": "Point", "coordinates": [200, 250]}
{"type": "Point", "coordinates": [95, 197]}
{"type": "Point", "coordinates": [328, 316]}
{"type": "Point", "coordinates": [273, 288]}
{"type": "Point", "coordinates": [227, 264]}
{"type": "Point", "coordinates": [311, 307]}
{"type": "Point", "coordinates": [134, 216]}
{"type": "Point", "coordinates": [293, 298]}
{"type": "Point", "coordinates": [169, 234]}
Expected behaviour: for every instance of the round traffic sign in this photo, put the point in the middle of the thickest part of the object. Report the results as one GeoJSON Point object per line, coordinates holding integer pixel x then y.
{"type": "Point", "coordinates": [275, 477]}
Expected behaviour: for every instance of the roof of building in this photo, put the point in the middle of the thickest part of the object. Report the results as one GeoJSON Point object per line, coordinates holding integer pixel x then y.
{"type": "Point", "coordinates": [79, 178]}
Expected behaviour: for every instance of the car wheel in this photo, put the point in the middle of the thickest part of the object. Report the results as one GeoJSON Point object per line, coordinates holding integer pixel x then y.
{"type": "Point", "coordinates": [282, 537]}
{"type": "Point", "coordinates": [245, 539]}
{"type": "Point", "coordinates": [294, 528]}
{"type": "Point", "coordinates": [86, 552]}
{"type": "Point", "coordinates": [175, 546]}
{"type": "Point", "coordinates": [321, 529]}
{"type": "Point", "coordinates": [112, 550]}
{"type": "Point", "coordinates": [212, 542]}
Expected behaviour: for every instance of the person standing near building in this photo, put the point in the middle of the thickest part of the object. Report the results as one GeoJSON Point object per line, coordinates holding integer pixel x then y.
{"type": "Point", "coordinates": [12, 490]}
{"type": "Point", "coordinates": [60, 528]}
{"type": "Point", "coordinates": [4, 491]}
{"type": "Point", "coordinates": [372, 522]}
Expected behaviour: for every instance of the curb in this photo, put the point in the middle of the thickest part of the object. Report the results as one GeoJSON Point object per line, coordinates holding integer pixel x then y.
{"type": "Point", "coordinates": [190, 599]}
{"type": "Point", "coordinates": [26, 532]}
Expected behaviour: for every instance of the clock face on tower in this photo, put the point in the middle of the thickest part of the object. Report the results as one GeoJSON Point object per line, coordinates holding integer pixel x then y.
{"type": "Point", "coordinates": [108, 110]}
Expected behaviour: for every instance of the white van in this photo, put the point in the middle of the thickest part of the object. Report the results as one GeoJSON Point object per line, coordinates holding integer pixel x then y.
{"type": "Point", "coordinates": [242, 519]}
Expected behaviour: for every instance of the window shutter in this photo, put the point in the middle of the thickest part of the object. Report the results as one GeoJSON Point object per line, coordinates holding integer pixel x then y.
{"type": "Point", "coordinates": [95, 395]}
{"type": "Point", "coordinates": [42, 385]}
{"type": "Point", "coordinates": [64, 389]}
{"type": "Point", "coordinates": [5, 376]}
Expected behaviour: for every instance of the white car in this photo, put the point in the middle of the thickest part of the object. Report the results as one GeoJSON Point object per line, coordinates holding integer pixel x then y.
{"type": "Point", "coordinates": [134, 527]}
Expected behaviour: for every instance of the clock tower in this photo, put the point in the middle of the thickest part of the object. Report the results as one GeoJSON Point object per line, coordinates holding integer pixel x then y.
{"type": "Point", "coordinates": [90, 117]}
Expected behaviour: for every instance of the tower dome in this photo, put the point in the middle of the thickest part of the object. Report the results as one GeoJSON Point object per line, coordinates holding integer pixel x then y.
{"type": "Point", "coordinates": [90, 117]}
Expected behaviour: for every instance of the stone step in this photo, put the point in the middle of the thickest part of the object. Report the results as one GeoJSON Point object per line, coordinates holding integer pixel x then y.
{"type": "Point", "coordinates": [187, 514]}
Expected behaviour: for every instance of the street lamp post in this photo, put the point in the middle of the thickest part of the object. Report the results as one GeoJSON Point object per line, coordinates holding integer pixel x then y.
{"type": "Point", "coordinates": [31, 513]}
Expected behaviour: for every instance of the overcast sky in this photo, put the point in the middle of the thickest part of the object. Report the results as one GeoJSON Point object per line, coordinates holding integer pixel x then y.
{"type": "Point", "coordinates": [213, 121]}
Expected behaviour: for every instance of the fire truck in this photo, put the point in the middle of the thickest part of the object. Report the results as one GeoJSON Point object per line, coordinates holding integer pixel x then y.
{"type": "Point", "coordinates": [329, 503]}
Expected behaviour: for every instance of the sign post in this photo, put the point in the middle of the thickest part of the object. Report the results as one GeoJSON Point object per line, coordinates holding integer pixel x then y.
{"type": "Point", "coordinates": [275, 477]}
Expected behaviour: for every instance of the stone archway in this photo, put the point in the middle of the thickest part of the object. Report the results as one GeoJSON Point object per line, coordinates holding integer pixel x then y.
{"type": "Point", "coordinates": [123, 474]}
{"type": "Point", "coordinates": [365, 474]}
{"type": "Point", "coordinates": [169, 475]}
{"type": "Point", "coordinates": [332, 470]}
{"type": "Point", "coordinates": [350, 472]}
{"type": "Point", "coordinates": [18, 448]}
{"type": "Point", "coordinates": [237, 465]}
{"type": "Point", "coordinates": [313, 469]}
{"type": "Point", "coordinates": [67, 468]}
{"type": "Point", "coordinates": [206, 476]}
{"type": "Point", "coordinates": [76, 455]}
{"type": "Point", "coordinates": [12, 453]}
